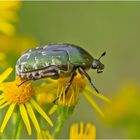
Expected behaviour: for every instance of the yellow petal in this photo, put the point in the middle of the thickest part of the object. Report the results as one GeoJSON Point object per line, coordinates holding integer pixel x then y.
{"type": "Point", "coordinates": [92, 102]}
{"type": "Point", "coordinates": [88, 128]}
{"type": "Point", "coordinates": [44, 135]}
{"type": "Point", "coordinates": [90, 131]}
{"type": "Point", "coordinates": [48, 135]}
{"type": "Point", "coordinates": [7, 117]}
{"type": "Point", "coordinates": [89, 89]}
{"type": "Point", "coordinates": [42, 113]}
{"type": "Point", "coordinates": [2, 101]}
{"type": "Point", "coordinates": [5, 74]}
{"type": "Point", "coordinates": [32, 116]}
{"type": "Point", "coordinates": [53, 109]}
{"type": "Point", "coordinates": [7, 28]}
{"type": "Point", "coordinates": [25, 118]}
{"type": "Point", "coordinates": [1, 96]}
{"type": "Point", "coordinates": [98, 95]}
{"type": "Point", "coordinates": [39, 136]}
{"type": "Point", "coordinates": [4, 105]}
{"type": "Point", "coordinates": [1, 87]}
{"type": "Point", "coordinates": [74, 131]}
{"type": "Point", "coordinates": [71, 97]}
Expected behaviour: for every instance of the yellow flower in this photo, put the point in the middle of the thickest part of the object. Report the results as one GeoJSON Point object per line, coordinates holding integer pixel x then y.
{"type": "Point", "coordinates": [123, 114]}
{"type": "Point", "coordinates": [8, 10]}
{"type": "Point", "coordinates": [21, 96]}
{"type": "Point", "coordinates": [125, 101]}
{"type": "Point", "coordinates": [16, 45]}
{"type": "Point", "coordinates": [3, 61]}
{"type": "Point", "coordinates": [79, 131]}
{"type": "Point", "coordinates": [79, 85]}
{"type": "Point", "coordinates": [44, 134]}
{"type": "Point", "coordinates": [42, 97]}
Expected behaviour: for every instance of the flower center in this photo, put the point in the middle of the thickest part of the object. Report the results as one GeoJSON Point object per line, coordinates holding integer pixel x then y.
{"type": "Point", "coordinates": [18, 94]}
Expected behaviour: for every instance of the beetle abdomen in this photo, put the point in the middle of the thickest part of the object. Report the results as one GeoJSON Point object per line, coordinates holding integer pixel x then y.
{"type": "Point", "coordinates": [40, 58]}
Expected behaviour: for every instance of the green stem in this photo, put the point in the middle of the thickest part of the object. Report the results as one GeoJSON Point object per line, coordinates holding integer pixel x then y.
{"type": "Point", "coordinates": [64, 113]}
{"type": "Point", "coordinates": [17, 136]}
{"type": "Point", "coordinates": [59, 124]}
{"type": "Point", "coordinates": [18, 126]}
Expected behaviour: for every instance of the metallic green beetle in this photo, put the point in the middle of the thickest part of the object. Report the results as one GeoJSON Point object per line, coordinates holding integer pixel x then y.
{"type": "Point", "coordinates": [55, 61]}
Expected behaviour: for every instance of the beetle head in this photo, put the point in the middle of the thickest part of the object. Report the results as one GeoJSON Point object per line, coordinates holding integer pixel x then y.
{"type": "Point", "coordinates": [97, 64]}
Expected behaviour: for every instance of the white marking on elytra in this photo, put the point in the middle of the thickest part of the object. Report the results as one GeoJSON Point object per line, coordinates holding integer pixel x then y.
{"type": "Point", "coordinates": [33, 73]}
{"type": "Point", "coordinates": [27, 55]}
{"type": "Point", "coordinates": [37, 48]}
{"type": "Point", "coordinates": [47, 64]}
{"type": "Point", "coordinates": [30, 50]}
{"type": "Point", "coordinates": [36, 59]}
{"type": "Point", "coordinates": [19, 61]}
{"type": "Point", "coordinates": [23, 63]}
{"type": "Point", "coordinates": [40, 72]}
{"type": "Point", "coordinates": [43, 53]}
{"type": "Point", "coordinates": [44, 65]}
{"type": "Point", "coordinates": [17, 70]}
{"type": "Point", "coordinates": [35, 66]}
{"type": "Point", "coordinates": [23, 75]}
{"type": "Point", "coordinates": [53, 62]}
{"type": "Point", "coordinates": [45, 47]}
{"type": "Point", "coordinates": [22, 68]}
{"type": "Point", "coordinates": [29, 75]}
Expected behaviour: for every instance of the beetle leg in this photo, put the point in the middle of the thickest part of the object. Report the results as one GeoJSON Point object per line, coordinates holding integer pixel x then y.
{"type": "Point", "coordinates": [82, 71]}
{"type": "Point", "coordinates": [23, 82]}
{"type": "Point", "coordinates": [67, 87]}
{"type": "Point", "coordinates": [70, 82]}
{"type": "Point", "coordinates": [55, 100]}
{"type": "Point", "coordinates": [32, 78]}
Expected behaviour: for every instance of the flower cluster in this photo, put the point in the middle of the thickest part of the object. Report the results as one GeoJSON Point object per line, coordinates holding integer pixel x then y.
{"type": "Point", "coordinates": [125, 101]}
{"type": "Point", "coordinates": [8, 16]}
{"type": "Point", "coordinates": [79, 131]}
{"type": "Point", "coordinates": [21, 96]}
{"type": "Point", "coordinates": [56, 88]}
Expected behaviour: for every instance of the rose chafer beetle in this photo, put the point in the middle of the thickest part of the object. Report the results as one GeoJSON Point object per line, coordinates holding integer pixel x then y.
{"type": "Point", "coordinates": [55, 61]}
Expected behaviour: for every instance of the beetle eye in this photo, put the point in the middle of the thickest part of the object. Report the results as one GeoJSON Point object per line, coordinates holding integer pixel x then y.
{"type": "Point", "coordinates": [94, 66]}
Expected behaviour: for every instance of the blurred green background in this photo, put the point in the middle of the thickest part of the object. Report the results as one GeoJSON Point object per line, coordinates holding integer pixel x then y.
{"type": "Point", "coordinates": [113, 27]}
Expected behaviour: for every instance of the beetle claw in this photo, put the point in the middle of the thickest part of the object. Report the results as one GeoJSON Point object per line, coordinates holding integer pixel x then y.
{"type": "Point", "coordinates": [55, 101]}
{"type": "Point", "coordinates": [18, 85]}
{"type": "Point", "coordinates": [99, 71]}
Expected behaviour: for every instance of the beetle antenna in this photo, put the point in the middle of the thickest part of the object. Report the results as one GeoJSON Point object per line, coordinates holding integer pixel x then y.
{"type": "Point", "coordinates": [103, 54]}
